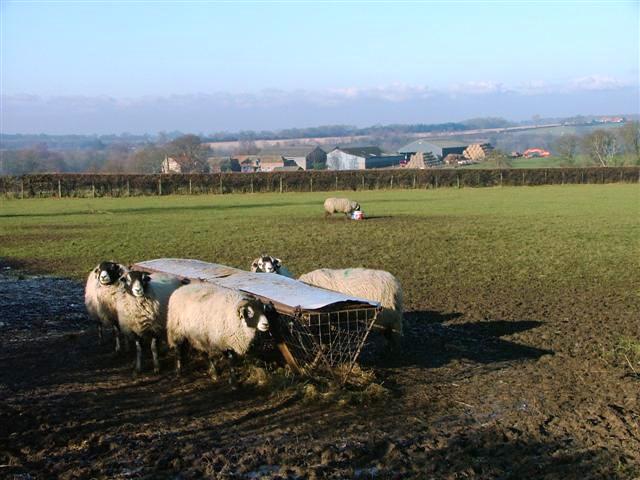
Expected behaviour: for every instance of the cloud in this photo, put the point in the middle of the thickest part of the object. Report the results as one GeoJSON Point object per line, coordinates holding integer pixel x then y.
{"type": "Point", "coordinates": [274, 108]}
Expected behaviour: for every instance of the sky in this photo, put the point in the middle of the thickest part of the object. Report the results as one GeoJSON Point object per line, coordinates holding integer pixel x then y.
{"type": "Point", "coordinates": [109, 67]}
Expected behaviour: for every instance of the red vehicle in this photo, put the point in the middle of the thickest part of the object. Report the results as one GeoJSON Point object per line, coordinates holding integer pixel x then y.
{"type": "Point", "coordinates": [536, 152]}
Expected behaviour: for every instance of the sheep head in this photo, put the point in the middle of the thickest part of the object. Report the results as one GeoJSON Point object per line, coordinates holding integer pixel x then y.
{"type": "Point", "coordinates": [109, 272]}
{"type": "Point", "coordinates": [252, 313]}
{"type": "Point", "coordinates": [135, 282]}
{"type": "Point", "coordinates": [266, 264]}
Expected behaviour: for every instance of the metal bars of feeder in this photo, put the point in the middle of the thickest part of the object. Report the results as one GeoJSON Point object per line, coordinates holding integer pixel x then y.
{"type": "Point", "coordinates": [326, 340]}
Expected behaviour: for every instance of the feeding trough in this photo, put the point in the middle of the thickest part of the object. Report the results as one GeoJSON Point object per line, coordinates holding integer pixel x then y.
{"type": "Point", "coordinates": [315, 328]}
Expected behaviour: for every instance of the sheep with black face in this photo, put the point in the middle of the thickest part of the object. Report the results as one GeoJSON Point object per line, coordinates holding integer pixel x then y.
{"type": "Point", "coordinates": [142, 309]}
{"type": "Point", "coordinates": [214, 320]}
{"type": "Point", "coordinates": [268, 264]}
{"type": "Point", "coordinates": [100, 297]}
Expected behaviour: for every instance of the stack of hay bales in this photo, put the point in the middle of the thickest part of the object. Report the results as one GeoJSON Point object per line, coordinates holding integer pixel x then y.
{"type": "Point", "coordinates": [477, 151]}
{"type": "Point", "coordinates": [422, 160]}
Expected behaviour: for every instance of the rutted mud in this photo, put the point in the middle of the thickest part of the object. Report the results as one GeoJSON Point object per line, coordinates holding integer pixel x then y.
{"type": "Point", "coordinates": [468, 399]}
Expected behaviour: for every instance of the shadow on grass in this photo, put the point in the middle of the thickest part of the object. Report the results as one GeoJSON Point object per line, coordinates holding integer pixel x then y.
{"type": "Point", "coordinates": [166, 209]}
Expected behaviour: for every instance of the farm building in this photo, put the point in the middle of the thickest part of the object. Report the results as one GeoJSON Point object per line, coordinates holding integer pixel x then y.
{"type": "Point", "coordinates": [361, 158]}
{"type": "Point", "coordinates": [290, 168]}
{"type": "Point", "coordinates": [249, 163]}
{"type": "Point", "coordinates": [268, 163]}
{"type": "Point", "coordinates": [183, 164]}
{"type": "Point", "coordinates": [438, 148]}
{"type": "Point", "coordinates": [306, 156]}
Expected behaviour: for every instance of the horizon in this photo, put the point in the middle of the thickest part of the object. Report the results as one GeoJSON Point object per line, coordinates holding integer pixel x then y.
{"type": "Point", "coordinates": [100, 68]}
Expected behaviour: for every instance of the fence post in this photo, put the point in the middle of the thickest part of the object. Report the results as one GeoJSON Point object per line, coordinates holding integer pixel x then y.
{"type": "Point", "coordinates": [562, 176]}
{"type": "Point", "coordinates": [252, 183]}
{"type": "Point", "coordinates": [414, 180]}
{"type": "Point", "coordinates": [128, 188]}
{"type": "Point", "coordinates": [523, 173]}
{"type": "Point", "coordinates": [391, 182]}
{"type": "Point", "coordinates": [59, 188]}
{"type": "Point", "coordinates": [363, 181]}
{"type": "Point", "coordinates": [336, 181]}
{"type": "Point", "coordinates": [500, 177]}
{"type": "Point", "coordinates": [93, 190]}
{"type": "Point", "coordinates": [221, 187]}
{"type": "Point", "coordinates": [280, 183]}
{"type": "Point", "coordinates": [21, 189]}
{"type": "Point", "coordinates": [436, 181]}
{"type": "Point", "coordinates": [582, 176]}
{"type": "Point", "coordinates": [458, 179]}
{"type": "Point", "coordinates": [190, 186]}
{"type": "Point", "coordinates": [310, 183]}
{"type": "Point", "coordinates": [160, 185]}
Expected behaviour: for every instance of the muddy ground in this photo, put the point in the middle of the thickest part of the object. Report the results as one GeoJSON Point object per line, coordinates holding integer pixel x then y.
{"type": "Point", "coordinates": [468, 397]}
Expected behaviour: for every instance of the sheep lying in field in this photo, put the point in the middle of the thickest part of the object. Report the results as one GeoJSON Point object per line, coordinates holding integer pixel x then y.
{"type": "Point", "coordinates": [269, 264]}
{"type": "Point", "coordinates": [142, 309]}
{"type": "Point", "coordinates": [376, 285]}
{"type": "Point", "coordinates": [340, 205]}
{"type": "Point", "coordinates": [213, 320]}
{"type": "Point", "coordinates": [100, 297]}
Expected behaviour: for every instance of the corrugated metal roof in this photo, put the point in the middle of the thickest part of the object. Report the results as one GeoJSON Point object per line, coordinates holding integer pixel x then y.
{"type": "Point", "coordinates": [292, 151]}
{"type": "Point", "coordinates": [364, 152]}
{"type": "Point", "coordinates": [277, 288]}
{"type": "Point", "coordinates": [425, 145]}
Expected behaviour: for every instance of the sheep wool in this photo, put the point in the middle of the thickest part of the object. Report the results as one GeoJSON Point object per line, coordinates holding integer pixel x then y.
{"type": "Point", "coordinates": [100, 299]}
{"type": "Point", "coordinates": [340, 205]}
{"type": "Point", "coordinates": [209, 317]}
{"type": "Point", "coordinates": [377, 285]}
{"type": "Point", "coordinates": [146, 316]}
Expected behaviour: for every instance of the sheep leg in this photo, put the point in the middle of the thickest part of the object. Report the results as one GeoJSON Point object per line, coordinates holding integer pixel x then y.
{"type": "Point", "coordinates": [116, 337]}
{"type": "Point", "coordinates": [154, 352]}
{"type": "Point", "coordinates": [181, 348]}
{"type": "Point", "coordinates": [233, 377]}
{"type": "Point", "coordinates": [213, 370]}
{"type": "Point", "coordinates": [100, 335]}
{"type": "Point", "coordinates": [138, 355]}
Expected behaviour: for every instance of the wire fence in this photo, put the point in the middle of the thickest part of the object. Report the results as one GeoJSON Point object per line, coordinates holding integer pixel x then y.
{"type": "Point", "coordinates": [112, 185]}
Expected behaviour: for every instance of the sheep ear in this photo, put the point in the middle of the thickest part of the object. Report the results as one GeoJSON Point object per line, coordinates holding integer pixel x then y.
{"type": "Point", "coordinates": [254, 264]}
{"type": "Point", "coordinates": [146, 278]}
{"type": "Point", "coordinates": [278, 262]}
{"type": "Point", "coordinates": [96, 270]}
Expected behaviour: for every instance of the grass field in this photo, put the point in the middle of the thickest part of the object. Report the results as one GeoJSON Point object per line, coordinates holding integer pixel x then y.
{"type": "Point", "coordinates": [444, 239]}
{"type": "Point", "coordinates": [520, 355]}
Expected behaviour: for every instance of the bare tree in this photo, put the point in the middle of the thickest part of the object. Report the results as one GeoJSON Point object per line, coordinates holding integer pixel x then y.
{"type": "Point", "coordinates": [191, 153]}
{"type": "Point", "coordinates": [601, 145]}
{"type": "Point", "coordinates": [630, 138]}
{"type": "Point", "coordinates": [567, 146]}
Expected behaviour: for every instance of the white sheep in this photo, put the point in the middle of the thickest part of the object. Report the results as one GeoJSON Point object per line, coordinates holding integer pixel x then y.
{"type": "Point", "coordinates": [269, 264]}
{"type": "Point", "coordinates": [377, 285]}
{"type": "Point", "coordinates": [340, 205]}
{"type": "Point", "coordinates": [100, 297]}
{"type": "Point", "coordinates": [213, 320]}
{"type": "Point", "coordinates": [142, 309]}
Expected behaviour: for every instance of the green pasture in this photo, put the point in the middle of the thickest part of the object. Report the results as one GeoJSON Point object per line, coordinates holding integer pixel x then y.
{"type": "Point", "coordinates": [447, 246]}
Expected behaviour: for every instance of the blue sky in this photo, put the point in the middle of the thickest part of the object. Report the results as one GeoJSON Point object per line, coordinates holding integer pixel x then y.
{"type": "Point", "coordinates": [250, 56]}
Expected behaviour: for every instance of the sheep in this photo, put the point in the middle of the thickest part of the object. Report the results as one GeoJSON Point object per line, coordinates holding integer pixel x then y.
{"type": "Point", "coordinates": [213, 320]}
{"type": "Point", "coordinates": [339, 205]}
{"type": "Point", "coordinates": [376, 285]}
{"type": "Point", "coordinates": [142, 309]}
{"type": "Point", "coordinates": [269, 264]}
{"type": "Point", "coordinates": [100, 296]}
